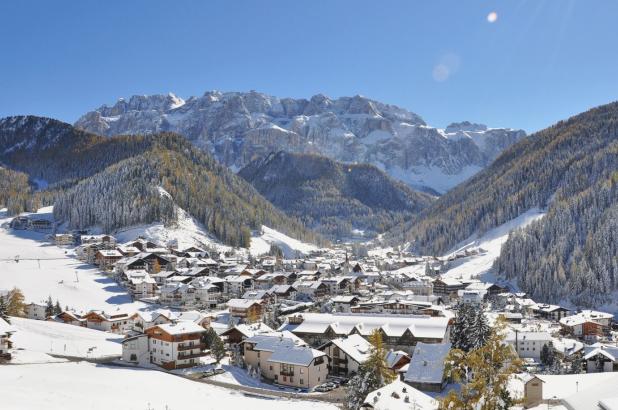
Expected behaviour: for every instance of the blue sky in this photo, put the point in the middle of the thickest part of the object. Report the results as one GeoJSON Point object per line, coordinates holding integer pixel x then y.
{"type": "Point", "coordinates": [538, 62]}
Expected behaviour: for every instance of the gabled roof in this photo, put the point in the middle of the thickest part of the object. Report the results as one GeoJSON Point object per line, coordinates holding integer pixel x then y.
{"type": "Point", "coordinates": [427, 364]}
{"type": "Point", "coordinates": [298, 355]}
{"type": "Point", "coordinates": [181, 328]}
{"type": "Point", "coordinates": [355, 346]}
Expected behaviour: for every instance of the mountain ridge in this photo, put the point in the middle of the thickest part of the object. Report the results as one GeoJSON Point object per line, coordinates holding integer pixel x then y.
{"type": "Point", "coordinates": [239, 127]}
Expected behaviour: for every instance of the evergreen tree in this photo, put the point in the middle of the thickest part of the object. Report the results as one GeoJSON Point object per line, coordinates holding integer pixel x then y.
{"type": "Point", "coordinates": [49, 307]}
{"type": "Point", "coordinates": [479, 331]}
{"type": "Point", "coordinates": [460, 332]}
{"type": "Point", "coordinates": [57, 308]}
{"type": "Point", "coordinates": [4, 313]}
{"type": "Point", "coordinates": [217, 348]}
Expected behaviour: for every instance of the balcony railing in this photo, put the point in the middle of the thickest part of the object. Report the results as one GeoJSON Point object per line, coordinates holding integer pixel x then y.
{"type": "Point", "coordinates": [182, 356]}
{"type": "Point", "coordinates": [287, 373]}
{"type": "Point", "coordinates": [190, 346]}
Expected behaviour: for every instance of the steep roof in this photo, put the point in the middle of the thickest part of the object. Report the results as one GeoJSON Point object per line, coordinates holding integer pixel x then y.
{"type": "Point", "coordinates": [427, 364]}
{"type": "Point", "coordinates": [298, 355]}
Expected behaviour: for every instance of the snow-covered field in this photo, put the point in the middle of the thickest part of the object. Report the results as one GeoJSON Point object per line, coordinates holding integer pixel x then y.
{"type": "Point", "coordinates": [78, 386]}
{"type": "Point", "coordinates": [491, 242]}
{"type": "Point", "coordinates": [290, 246]}
{"type": "Point", "coordinates": [55, 272]}
{"type": "Point", "coordinates": [63, 339]}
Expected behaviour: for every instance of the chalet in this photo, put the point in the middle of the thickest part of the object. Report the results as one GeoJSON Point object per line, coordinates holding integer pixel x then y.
{"type": "Point", "coordinates": [447, 287]}
{"type": "Point", "coordinates": [237, 285]}
{"type": "Point", "coordinates": [141, 285]}
{"type": "Point", "coordinates": [70, 318]}
{"type": "Point", "coordinates": [266, 297]}
{"type": "Point", "coordinates": [20, 223]}
{"type": "Point", "coordinates": [283, 292]}
{"type": "Point", "coordinates": [311, 289]}
{"type": "Point", "coordinates": [550, 312]}
{"type": "Point", "coordinates": [398, 331]}
{"type": "Point", "coordinates": [241, 332]}
{"type": "Point", "coordinates": [396, 360]}
{"type": "Point", "coordinates": [343, 303]}
{"type": "Point", "coordinates": [6, 330]}
{"type": "Point", "coordinates": [121, 323]}
{"type": "Point", "coordinates": [41, 224]}
{"type": "Point", "coordinates": [588, 324]}
{"type": "Point", "coordinates": [601, 358]}
{"type": "Point", "coordinates": [36, 311]}
{"type": "Point", "coordinates": [346, 354]}
{"type": "Point", "coordinates": [107, 240]}
{"type": "Point", "coordinates": [64, 239]}
{"type": "Point", "coordinates": [105, 259]}
{"type": "Point", "coordinates": [426, 368]}
{"type": "Point", "coordinates": [146, 319]}
{"type": "Point", "coordinates": [285, 361]}
{"type": "Point", "coordinates": [142, 244]}
{"type": "Point", "coordinates": [127, 251]}
{"type": "Point", "coordinates": [245, 309]}
{"type": "Point", "coordinates": [175, 345]}
{"type": "Point", "coordinates": [268, 280]}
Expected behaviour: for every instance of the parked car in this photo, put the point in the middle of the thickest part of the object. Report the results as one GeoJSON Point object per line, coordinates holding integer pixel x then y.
{"type": "Point", "coordinates": [325, 387]}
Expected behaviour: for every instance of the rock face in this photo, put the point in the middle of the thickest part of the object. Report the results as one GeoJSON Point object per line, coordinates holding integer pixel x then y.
{"type": "Point", "coordinates": [240, 127]}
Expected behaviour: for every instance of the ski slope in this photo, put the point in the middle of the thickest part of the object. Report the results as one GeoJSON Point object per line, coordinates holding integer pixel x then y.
{"type": "Point", "coordinates": [480, 266]}
{"type": "Point", "coordinates": [82, 385]}
{"type": "Point", "coordinates": [291, 247]}
{"type": "Point", "coordinates": [56, 273]}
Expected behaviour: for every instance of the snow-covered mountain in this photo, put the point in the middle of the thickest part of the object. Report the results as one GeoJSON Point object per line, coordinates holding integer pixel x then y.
{"type": "Point", "coordinates": [238, 127]}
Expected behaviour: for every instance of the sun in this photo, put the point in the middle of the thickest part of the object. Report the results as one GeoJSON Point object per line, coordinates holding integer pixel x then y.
{"type": "Point", "coordinates": [492, 17]}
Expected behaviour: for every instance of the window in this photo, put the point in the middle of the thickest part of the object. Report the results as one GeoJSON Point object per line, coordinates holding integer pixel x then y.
{"type": "Point", "coordinates": [302, 370]}
{"type": "Point", "coordinates": [133, 357]}
{"type": "Point", "coordinates": [302, 381]}
{"type": "Point", "coordinates": [271, 367]}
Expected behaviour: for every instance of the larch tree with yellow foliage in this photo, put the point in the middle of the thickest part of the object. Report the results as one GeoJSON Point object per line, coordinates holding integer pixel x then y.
{"type": "Point", "coordinates": [483, 374]}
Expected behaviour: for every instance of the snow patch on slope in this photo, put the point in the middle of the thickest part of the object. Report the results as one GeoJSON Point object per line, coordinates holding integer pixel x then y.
{"type": "Point", "coordinates": [291, 247]}
{"type": "Point", "coordinates": [489, 244]}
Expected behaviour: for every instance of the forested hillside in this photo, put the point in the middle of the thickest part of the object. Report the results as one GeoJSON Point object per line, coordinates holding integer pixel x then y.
{"type": "Point", "coordinates": [334, 198]}
{"type": "Point", "coordinates": [570, 169]}
{"type": "Point", "coordinates": [121, 181]}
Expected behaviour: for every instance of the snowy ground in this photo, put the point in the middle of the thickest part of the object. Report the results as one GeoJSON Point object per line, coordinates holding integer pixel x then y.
{"type": "Point", "coordinates": [43, 337]}
{"type": "Point", "coordinates": [290, 246]}
{"type": "Point", "coordinates": [78, 386]}
{"type": "Point", "coordinates": [55, 272]}
{"type": "Point", "coordinates": [480, 265]}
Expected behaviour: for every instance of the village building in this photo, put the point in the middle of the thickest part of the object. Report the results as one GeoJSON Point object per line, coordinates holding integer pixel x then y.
{"type": "Point", "coordinates": [285, 361]}
{"type": "Point", "coordinates": [601, 358]}
{"type": "Point", "coordinates": [36, 311]}
{"type": "Point", "coordinates": [551, 312]}
{"type": "Point", "coordinates": [6, 330]}
{"type": "Point", "coordinates": [426, 369]}
{"type": "Point", "coordinates": [346, 354]}
{"type": "Point", "coordinates": [175, 345]}
{"type": "Point", "coordinates": [528, 345]}
{"type": "Point", "coordinates": [245, 309]}
{"type": "Point", "coordinates": [399, 332]}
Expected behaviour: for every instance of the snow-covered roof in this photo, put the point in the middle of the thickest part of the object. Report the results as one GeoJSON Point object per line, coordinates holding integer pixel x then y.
{"type": "Point", "coordinates": [181, 328]}
{"type": "Point", "coordinates": [241, 303]}
{"type": "Point", "coordinates": [298, 355]}
{"type": "Point", "coordinates": [393, 356]}
{"type": "Point", "coordinates": [355, 346]}
{"type": "Point", "coordinates": [427, 364]}
{"type": "Point", "coordinates": [269, 343]}
{"type": "Point", "coordinates": [393, 397]}
{"type": "Point", "coordinates": [393, 325]}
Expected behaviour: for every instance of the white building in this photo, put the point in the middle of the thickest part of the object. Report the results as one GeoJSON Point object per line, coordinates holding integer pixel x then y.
{"type": "Point", "coordinates": [36, 311]}
{"type": "Point", "coordinates": [528, 345]}
{"type": "Point", "coordinates": [346, 354]}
